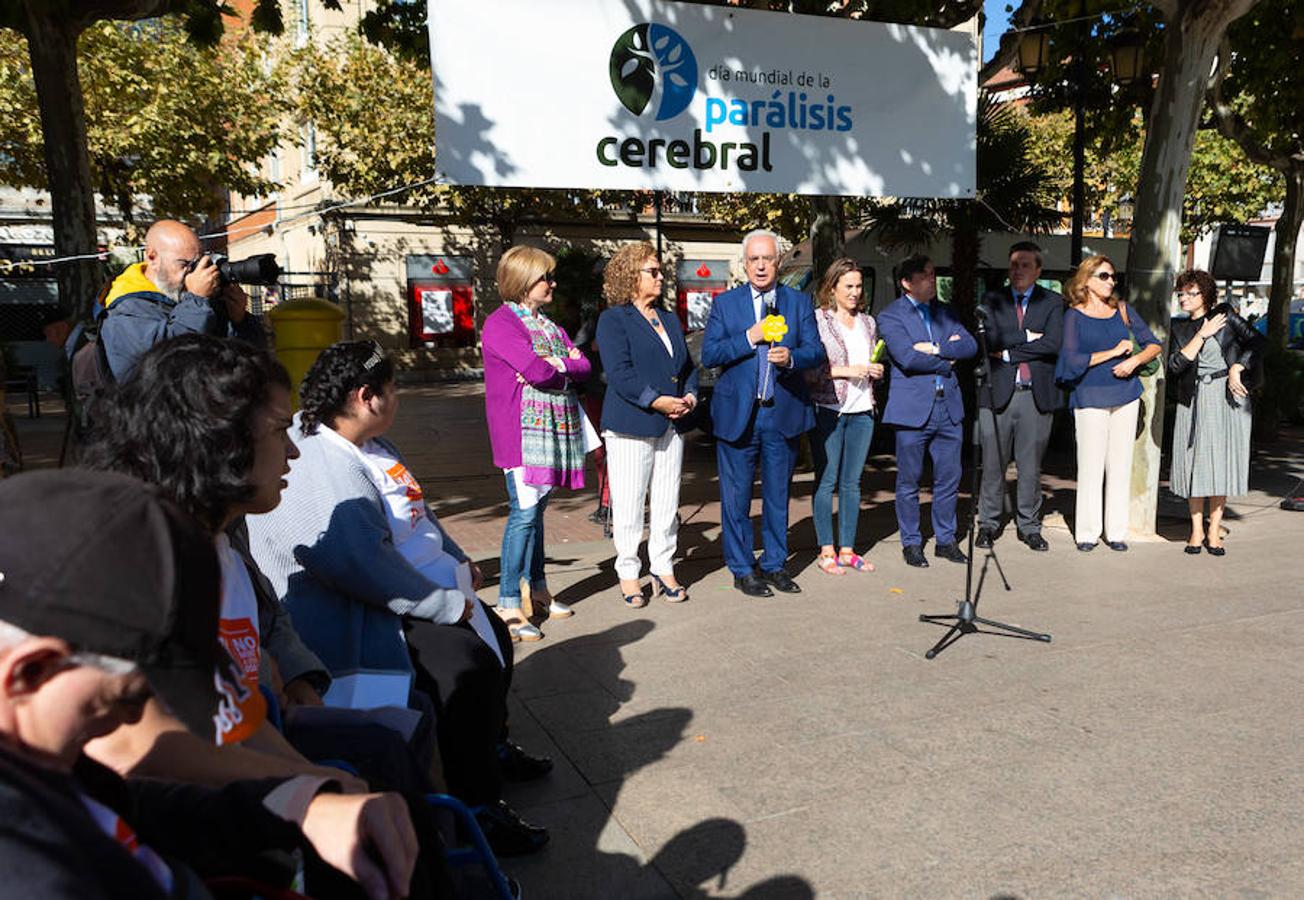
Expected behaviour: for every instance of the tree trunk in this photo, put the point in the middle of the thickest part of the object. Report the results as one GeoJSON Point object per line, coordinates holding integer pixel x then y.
{"type": "Point", "coordinates": [1192, 34]}
{"type": "Point", "coordinates": [828, 235]}
{"type": "Point", "coordinates": [1283, 257]}
{"type": "Point", "coordinates": [52, 44]}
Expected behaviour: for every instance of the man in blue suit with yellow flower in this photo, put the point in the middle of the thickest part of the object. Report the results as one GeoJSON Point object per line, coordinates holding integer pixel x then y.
{"type": "Point", "coordinates": [759, 409]}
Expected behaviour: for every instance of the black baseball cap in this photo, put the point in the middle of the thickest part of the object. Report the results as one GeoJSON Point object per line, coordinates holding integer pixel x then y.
{"type": "Point", "coordinates": [106, 563]}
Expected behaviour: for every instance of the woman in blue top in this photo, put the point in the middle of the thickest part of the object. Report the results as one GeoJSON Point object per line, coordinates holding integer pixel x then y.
{"type": "Point", "coordinates": [1098, 368]}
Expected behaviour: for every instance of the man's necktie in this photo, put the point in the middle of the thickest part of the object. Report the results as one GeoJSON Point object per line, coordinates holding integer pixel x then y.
{"type": "Point", "coordinates": [1025, 370]}
{"type": "Point", "coordinates": [927, 315]}
{"type": "Point", "coordinates": [764, 368]}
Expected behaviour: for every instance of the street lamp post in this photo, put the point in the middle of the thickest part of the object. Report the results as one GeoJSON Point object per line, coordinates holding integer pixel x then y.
{"type": "Point", "coordinates": [1125, 56]}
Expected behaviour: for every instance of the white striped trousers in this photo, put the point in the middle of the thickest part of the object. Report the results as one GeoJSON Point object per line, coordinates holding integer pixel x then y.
{"type": "Point", "coordinates": [632, 462]}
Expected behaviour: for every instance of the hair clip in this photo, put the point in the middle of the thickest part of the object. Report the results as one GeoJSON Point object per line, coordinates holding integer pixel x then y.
{"type": "Point", "coordinates": [376, 358]}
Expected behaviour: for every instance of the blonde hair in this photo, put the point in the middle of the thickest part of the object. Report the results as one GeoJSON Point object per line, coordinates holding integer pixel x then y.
{"type": "Point", "coordinates": [520, 269]}
{"type": "Point", "coordinates": [620, 279]}
{"type": "Point", "coordinates": [1076, 289]}
{"type": "Point", "coordinates": [832, 275]}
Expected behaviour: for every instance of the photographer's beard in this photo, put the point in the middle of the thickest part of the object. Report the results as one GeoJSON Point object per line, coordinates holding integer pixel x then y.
{"type": "Point", "coordinates": [168, 287]}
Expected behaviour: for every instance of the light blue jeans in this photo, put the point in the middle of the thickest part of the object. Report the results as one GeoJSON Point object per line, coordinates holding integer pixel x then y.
{"type": "Point", "coordinates": [522, 552]}
{"type": "Point", "coordinates": [839, 445]}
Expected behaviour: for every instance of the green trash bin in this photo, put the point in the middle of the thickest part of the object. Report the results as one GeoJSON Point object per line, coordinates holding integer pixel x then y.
{"type": "Point", "coordinates": [303, 329]}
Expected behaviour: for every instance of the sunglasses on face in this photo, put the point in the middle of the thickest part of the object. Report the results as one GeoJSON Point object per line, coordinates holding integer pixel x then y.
{"type": "Point", "coordinates": [654, 271]}
{"type": "Point", "coordinates": [1105, 276]}
{"type": "Point", "coordinates": [550, 277]}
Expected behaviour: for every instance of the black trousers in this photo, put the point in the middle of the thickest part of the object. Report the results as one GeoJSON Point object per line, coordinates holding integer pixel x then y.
{"type": "Point", "coordinates": [462, 676]}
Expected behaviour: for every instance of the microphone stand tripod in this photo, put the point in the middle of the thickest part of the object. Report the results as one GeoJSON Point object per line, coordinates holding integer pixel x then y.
{"type": "Point", "coordinates": [965, 620]}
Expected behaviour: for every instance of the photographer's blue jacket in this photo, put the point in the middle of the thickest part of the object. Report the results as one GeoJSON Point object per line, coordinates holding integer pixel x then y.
{"type": "Point", "coordinates": [137, 316]}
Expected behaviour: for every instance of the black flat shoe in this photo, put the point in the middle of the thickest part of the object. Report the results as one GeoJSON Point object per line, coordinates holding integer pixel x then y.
{"type": "Point", "coordinates": [517, 765]}
{"type": "Point", "coordinates": [1085, 547]}
{"type": "Point", "coordinates": [914, 555]}
{"type": "Point", "coordinates": [507, 833]}
{"type": "Point", "coordinates": [752, 585]}
{"type": "Point", "coordinates": [986, 537]}
{"type": "Point", "coordinates": [1116, 545]}
{"type": "Point", "coordinates": [950, 551]}
{"type": "Point", "coordinates": [1035, 541]}
{"type": "Point", "coordinates": [782, 581]}
{"type": "Point", "coordinates": [1214, 551]}
{"type": "Point", "coordinates": [1194, 550]}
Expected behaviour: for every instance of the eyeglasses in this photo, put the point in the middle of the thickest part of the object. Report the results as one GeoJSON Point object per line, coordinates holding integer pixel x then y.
{"type": "Point", "coordinates": [1105, 276]}
{"type": "Point", "coordinates": [654, 271]}
{"type": "Point", "coordinates": [550, 277]}
{"type": "Point", "coordinates": [1190, 295]}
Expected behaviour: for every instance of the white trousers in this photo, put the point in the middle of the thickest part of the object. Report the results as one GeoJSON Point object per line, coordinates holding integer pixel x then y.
{"type": "Point", "coordinates": [631, 463]}
{"type": "Point", "coordinates": [1106, 437]}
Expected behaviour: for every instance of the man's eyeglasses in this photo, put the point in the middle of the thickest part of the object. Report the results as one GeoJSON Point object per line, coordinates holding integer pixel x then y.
{"type": "Point", "coordinates": [1105, 276]}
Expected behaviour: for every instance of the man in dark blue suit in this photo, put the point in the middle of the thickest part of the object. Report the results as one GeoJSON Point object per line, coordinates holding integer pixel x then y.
{"type": "Point", "coordinates": [759, 409]}
{"type": "Point", "coordinates": [925, 340]}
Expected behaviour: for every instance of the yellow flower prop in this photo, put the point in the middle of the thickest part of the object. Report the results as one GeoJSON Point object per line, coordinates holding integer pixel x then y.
{"type": "Point", "coordinates": [773, 328]}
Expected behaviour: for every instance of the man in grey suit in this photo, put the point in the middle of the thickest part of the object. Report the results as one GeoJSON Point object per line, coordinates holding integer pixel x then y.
{"type": "Point", "coordinates": [1025, 327]}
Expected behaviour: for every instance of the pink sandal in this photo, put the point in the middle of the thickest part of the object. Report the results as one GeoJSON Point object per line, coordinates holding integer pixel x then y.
{"type": "Point", "coordinates": [829, 565]}
{"type": "Point", "coordinates": [853, 561]}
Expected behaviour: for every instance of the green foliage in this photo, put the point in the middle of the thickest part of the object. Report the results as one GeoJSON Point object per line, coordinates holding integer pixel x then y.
{"type": "Point", "coordinates": [165, 118]}
{"type": "Point", "coordinates": [1222, 185]}
{"type": "Point", "coordinates": [1265, 83]}
{"type": "Point", "coordinates": [373, 110]}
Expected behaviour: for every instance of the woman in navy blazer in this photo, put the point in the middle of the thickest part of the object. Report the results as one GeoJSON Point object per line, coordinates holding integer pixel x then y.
{"type": "Point", "coordinates": [651, 387]}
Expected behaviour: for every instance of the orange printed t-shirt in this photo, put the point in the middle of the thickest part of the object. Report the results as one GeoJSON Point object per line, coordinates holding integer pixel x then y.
{"type": "Point", "coordinates": [242, 709]}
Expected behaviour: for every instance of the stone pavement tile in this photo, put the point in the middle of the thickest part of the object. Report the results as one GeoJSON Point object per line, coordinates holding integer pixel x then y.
{"type": "Point", "coordinates": [764, 781]}
{"type": "Point", "coordinates": [1005, 733]}
{"type": "Point", "coordinates": [628, 745]}
{"type": "Point", "coordinates": [562, 783]}
{"type": "Point", "coordinates": [582, 712]}
{"type": "Point", "coordinates": [659, 802]}
{"type": "Point", "coordinates": [545, 674]}
{"type": "Point", "coordinates": [590, 857]}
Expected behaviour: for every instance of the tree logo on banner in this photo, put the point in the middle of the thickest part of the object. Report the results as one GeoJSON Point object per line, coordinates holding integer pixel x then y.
{"type": "Point", "coordinates": [651, 62]}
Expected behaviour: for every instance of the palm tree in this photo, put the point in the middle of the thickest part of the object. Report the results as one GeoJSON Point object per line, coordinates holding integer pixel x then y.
{"type": "Point", "coordinates": [1014, 194]}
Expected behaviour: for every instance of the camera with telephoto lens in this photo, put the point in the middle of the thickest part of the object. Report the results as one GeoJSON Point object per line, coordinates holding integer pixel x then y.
{"type": "Point", "coordinates": [261, 269]}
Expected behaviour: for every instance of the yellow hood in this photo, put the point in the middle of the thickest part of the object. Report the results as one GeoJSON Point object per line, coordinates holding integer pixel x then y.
{"type": "Point", "coordinates": [131, 281]}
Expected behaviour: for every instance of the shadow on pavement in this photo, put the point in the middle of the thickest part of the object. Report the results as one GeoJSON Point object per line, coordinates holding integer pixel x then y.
{"type": "Point", "coordinates": [574, 691]}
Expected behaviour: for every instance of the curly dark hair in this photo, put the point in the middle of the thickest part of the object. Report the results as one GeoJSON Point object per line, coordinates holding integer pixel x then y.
{"type": "Point", "coordinates": [1203, 282]}
{"type": "Point", "coordinates": [184, 421]}
{"type": "Point", "coordinates": [340, 370]}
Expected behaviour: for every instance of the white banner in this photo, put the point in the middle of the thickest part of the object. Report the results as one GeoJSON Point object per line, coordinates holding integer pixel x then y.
{"type": "Point", "coordinates": [651, 94]}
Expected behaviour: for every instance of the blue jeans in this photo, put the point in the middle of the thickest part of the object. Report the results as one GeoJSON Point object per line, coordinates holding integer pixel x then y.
{"type": "Point", "coordinates": [840, 445]}
{"type": "Point", "coordinates": [522, 552]}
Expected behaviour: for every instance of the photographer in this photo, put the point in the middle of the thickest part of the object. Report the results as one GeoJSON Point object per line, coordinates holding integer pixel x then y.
{"type": "Point", "coordinates": [176, 290]}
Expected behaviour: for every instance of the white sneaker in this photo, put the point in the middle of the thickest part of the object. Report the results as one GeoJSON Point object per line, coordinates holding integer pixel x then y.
{"type": "Point", "coordinates": [559, 610]}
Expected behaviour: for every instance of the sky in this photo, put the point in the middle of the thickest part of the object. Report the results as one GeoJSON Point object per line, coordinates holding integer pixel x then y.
{"type": "Point", "coordinates": [997, 19]}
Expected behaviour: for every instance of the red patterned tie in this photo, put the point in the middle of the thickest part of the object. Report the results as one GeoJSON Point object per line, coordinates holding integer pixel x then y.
{"type": "Point", "coordinates": [1025, 370]}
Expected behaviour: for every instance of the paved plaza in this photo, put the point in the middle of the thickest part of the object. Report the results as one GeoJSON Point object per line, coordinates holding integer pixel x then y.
{"type": "Point", "coordinates": [804, 747]}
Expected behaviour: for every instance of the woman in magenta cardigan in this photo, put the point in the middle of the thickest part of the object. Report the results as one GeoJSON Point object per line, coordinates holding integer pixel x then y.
{"type": "Point", "coordinates": [536, 427]}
